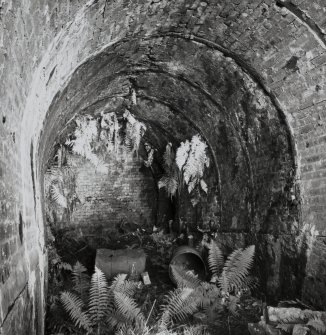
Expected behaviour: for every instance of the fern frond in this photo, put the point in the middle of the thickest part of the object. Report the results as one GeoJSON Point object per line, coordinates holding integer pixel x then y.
{"type": "Point", "coordinates": [65, 266]}
{"type": "Point", "coordinates": [129, 288]}
{"type": "Point", "coordinates": [203, 186]}
{"type": "Point", "coordinates": [98, 302]}
{"type": "Point", "coordinates": [232, 304]}
{"type": "Point", "coordinates": [250, 283]}
{"type": "Point", "coordinates": [317, 324]}
{"type": "Point", "coordinates": [80, 279]}
{"type": "Point", "coordinates": [127, 307]}
{"type": "Point", "coordinates": [184, 279]}
{"type": "Point", "coordinates": [116, 320]}
{"type": "Point", "coordinates": [109, 122]}
{"type": "Point", "coordinates": [215, 310]}
{"type": "Point", "coordinates": [126, 329]}
{"type": "Point", "coordinates": [192, 184]}
{"type": "Point", "coordinates": [121, 284]}
{"type": "Point", "coordinates": [92, 157]}
{"type": "Point", "coordinates": [67, 173]}
{"type": "Point", "coordinates": [87, 129]}
{"type": "Point", "coordinates": [134, 131]}
{"type": "Point", "coordinates": [168, 157]}
{"type": "Point", "coordinates": [102, 167]}
{"type": "Point", "coordinates": [195, 330]}
{"type": "Point", "coordinates": [236, 269]}
{"type": "Point", "coordinates": [191, 159]}
{"type": "Point", "coordinates": [57, 197]}
{"type": "Point", "coordinates": [53, 174]}
{"type": "Point", "coordinates": [85, 133]}
{"type": "Point", "coordinates": [194, 167]}
{"type": "Point", "coordinates": [69, 143]}
{"type": "Point", "coordinates": [73, 306]}
{"type": "Point", "coordinates": [287, 327]}
{"type": "Point", "coordinates": [121, 290]}
{"type": "Point", "coordinates": [215, 258]}
{"type": "Point", "coordinates": [170, 183]}
{"type": "Point", "coordinates": [118, 282]}
{"type": "Point", "coordinates": [207, 294]}
{"type": "Point", "coordinates": [182, 154]}
{"type": "Point", "coordinates": [170, 179]}
{"type": "Point", "coordinates": [178, 305]}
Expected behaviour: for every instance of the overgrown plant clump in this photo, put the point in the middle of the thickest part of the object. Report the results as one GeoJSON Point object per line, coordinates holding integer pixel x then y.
{"type": "Point", "coordinates": [112, 308]}
{"type": "Point", "coordinates": [110, 131]}
{"type": "Point", "coordinates": [96, 307]}
{"type": "Point", "coordinates": [192, 159]}
{"type": "Point", "coordinates": [229, 280]}
{"type": "Point", "coordinates": [85, 133]}
{"type": "Point", "coordinates": [58, 270]}
{"type": "Point", "coordinates": [163, 245]}
{"type": "Point", "coordinates": [54, 183]}
{"type": "Point", "coordinates": [171, 177]}
{"type": "Point", "coordinates": [92, 138]}
{"type": "Point", "coordinates": [186, 165]}
{"type": "Point", "coordinates": [135, 130]}
{"type": "Point", "coordinates": [59, 186]}
{"type": "Point", "coordinates": [106, 131]}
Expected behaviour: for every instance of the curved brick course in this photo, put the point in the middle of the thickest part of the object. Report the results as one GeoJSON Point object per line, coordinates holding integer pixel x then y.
{"type": "Point", "coordinates": [254, 70]}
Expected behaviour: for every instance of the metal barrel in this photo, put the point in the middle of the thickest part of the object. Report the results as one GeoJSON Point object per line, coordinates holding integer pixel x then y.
{"type": "Point", "coordinates": [188, 259]}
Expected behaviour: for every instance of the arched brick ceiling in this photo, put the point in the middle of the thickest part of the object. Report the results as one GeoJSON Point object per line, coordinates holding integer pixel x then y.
{"type": "Point", "coordinates": [279, 44]}
{"type": "Point", "coordinates": [184, 87]}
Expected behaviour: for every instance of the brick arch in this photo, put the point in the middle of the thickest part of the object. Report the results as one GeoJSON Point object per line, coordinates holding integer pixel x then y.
{"type": "Point", "coordinates": [159, 79]}
{"type": "Point", "coordinates": [284, 46]}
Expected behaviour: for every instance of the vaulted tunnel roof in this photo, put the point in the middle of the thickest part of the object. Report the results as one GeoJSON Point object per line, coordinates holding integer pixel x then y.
{"type": "Point", "coordinates": [184, 87]}
{"type": "Point", "coordinates": [267, 52]}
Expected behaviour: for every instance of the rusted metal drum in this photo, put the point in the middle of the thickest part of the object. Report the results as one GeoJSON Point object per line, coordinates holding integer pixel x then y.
{"type": "Point", "coordinates": [188, 259]}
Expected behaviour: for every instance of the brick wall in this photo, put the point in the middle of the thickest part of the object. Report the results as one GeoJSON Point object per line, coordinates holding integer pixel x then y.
{"type": "Point", "coordinates": [279, 44]}
{"type": "Point", "coordinates": [125, 195]}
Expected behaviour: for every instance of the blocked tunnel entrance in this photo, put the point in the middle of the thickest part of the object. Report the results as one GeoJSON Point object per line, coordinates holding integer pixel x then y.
{"type": "Point", "coordinates": [149, 144]}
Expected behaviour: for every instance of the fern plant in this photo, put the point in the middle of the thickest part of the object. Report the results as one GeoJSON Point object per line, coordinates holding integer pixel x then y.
{"type": "Point", "coordinates": [191, 158]}
{"type": "Point", "coordinates": [228, 279]}
{"type": "Point", "coordinates": [85, 133]}
{"type": "Point", "coordinates": [89, 318]}
{"type": "Point", "coordinates": [113, 307]}
{"type": "Point", "coordinates": [187, 164]}
{"type": "Point", "coordinates": [207, 295]}
{"type": "Point", "coordinates": [150, 155]}
{"type": "Point", "coordinates": [317, 324]}
{"type": "Point", "coordinates": [178, 305]}
{"type": "Point", "coordinates": [110, 131]}
{"type": "Point", "coordinates": [236, 269]}
{"type": "Point", "coordinates": [60, 189]}
{"type": "Point", "coordinates": [84, 136]}
{"type": "Point", "coordinates": [53, 183]}
{"type": "Point", "coordinates": [108, 306]}
{"type": "Point", "coordinates": [81, 280]}
{"type": "Point", "coordinates": [170, 179]}
{"type": "Point", "coordinates": [135, 130]}
{"type": "Point", "coordinates": [75, 307]}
